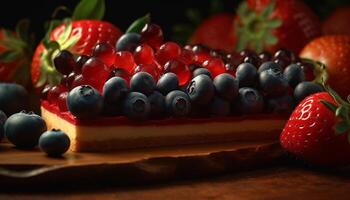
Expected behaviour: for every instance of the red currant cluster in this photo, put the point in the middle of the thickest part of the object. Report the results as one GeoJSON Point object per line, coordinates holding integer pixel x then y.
{"type": "Point", "coordinates": [148, 52]}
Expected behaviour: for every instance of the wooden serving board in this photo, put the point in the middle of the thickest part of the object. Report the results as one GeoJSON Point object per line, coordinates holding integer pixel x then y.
{"type": "Point", "coordinates": [22, 167]}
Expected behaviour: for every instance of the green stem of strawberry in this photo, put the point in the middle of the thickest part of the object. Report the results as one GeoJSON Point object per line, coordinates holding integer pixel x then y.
{"type": "Point", "coordinates": [320, 70]}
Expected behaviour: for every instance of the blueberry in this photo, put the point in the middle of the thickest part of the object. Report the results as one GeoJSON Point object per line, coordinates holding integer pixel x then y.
{"type": "Point", "coordinates": [294, 74]}
{"type": "Point", "coordinates": [142, 82]}
{"type": "Point", "coordinates": [177, 103]}
{"type": "Point", "coordinates": [128, 42]}
{"type": "Point", "coordinates": [305, 89]}
{"type": "Point", "coordinates": [114, 90]}
{"type": "Point", "coordinates": [249, 101]}
{"type": "Point", "coordinates": [136, 106]}
{"type": "Point", "coordinates": [3, 119]}
{"type": "Point", "coordinates": [246, 74]}
{"type": "Point", "coordinates": [269, 65]}
{"type": "Point", "coordinates": [84, 102]}
{"type": "Point", "coordinates": [219, 107]}
{"type": "Point", "coordinates": [167, 83]}
{"type": "Point", "coordinates": [13, 98]}
{"type": "Point", "coordinates": [200, 71]}
{"type": "Point", "coordinates": [24, 129]}
{"type": "Point", "coordinates": [157, 101]}
{"type": "Point", "coordinates": [201, 89]}
{"type": "Point", "coordinates": [54, 142]}
{"type": "Point", "coordinates": [272, 82]}
{"type": "Point", "coordinates": [226, 86]}
{"type": "Point", "coordinates": [281, 105]}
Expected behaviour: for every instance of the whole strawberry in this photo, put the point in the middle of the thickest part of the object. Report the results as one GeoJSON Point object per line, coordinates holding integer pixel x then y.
{"type": "Point", "coordinates": [77, 35]}
{"type": "Point", "coordinates": [274, 24]}
{"type": "Point", "coordinates": [317, 130]}
{"type": "Point", "coordinates": [15, 54]}
{"type": "Point", "coordinates": [334, 52]}
{"type": "Point", "coordinates": [216, 32]}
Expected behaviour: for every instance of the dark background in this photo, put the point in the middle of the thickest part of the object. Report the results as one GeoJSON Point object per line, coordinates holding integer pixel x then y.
{"type": "Point", "coordinates": [167, 13]}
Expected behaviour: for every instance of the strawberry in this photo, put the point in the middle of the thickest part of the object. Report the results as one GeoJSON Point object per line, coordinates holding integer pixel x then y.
{"type": "Point", "coordinates": [78, 36]}
{"type": "Point", "coordinates": [334, 53]}
{"type": "Point", "coordinates": [274, 24]}
{"type": "Point", "coordinates": [318, 130]}
{"type": "Point", "coordinates": [338, 22]}
{"type": "Point", "coordinates": [15, 54]}
{"type": "Point", "coordinates": [216, 32]}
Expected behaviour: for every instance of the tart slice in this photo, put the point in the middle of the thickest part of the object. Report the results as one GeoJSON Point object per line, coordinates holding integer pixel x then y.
{"type": "Point", "coordinates": [150, 93]}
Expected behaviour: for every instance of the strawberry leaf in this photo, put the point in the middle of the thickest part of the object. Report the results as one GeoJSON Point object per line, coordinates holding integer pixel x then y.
{"type": "Point", "coordinates": [341, 111]}
{"type": "Point", "coordinates": [341, 127]}
{"type": "Point", "coordinates": [268, 9]}
{"type": "Point", "coordinates": [138, 24]}
{"type": "Point", "coordinates": [89, 9]}
{"type": "Point", "coordinates": [9, 56]}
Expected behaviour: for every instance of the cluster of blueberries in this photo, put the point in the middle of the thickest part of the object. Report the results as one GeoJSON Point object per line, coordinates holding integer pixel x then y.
{"type": "Point", "coordinates": [26, 129]}
{"type": "Point", "coordinates": [269, 88]}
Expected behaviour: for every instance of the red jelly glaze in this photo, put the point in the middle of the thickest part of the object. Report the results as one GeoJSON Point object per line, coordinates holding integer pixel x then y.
{"type": "Point", "coordinates": [62, 102]}
{"type": "Point", "coordinates": [179, 68]}
{"type": "Point", "coordinates": [121, 120]}
{"type": "Point", "coordinates": [124, 60]}
{"type": "Point", "coordinates": [144, 54]}
{"type": "Point", "coordinates": [215, 65]}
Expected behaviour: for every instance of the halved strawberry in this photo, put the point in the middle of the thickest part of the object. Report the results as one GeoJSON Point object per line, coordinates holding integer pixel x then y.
{"type": "Point", "coordinates": [78, 36]}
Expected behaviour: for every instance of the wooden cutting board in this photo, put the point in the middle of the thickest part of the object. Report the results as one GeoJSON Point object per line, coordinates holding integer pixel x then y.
{"type": "Point", "coordinates": [22, 167]}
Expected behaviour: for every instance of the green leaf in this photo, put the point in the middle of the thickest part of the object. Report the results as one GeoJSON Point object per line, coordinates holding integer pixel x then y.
{"type": "Point", "coordinates": [341, 127]}
{"type": "Point", "coordinates": [22, 29]}
{"type": "Point", "coordinates": [138, 24]}
{"type": "Point", "coordinates": [9, 56]}
{"type": "Point", "coordinates": [329, 105]}
{"type": "Point", "coordinates": [89, 9]}
{"type": "Point", "coordinates": [268, 9]}
{"type": "Point", "coordinates": [274, 23]}
{"type": "Point", "coordinates": [341, 111]}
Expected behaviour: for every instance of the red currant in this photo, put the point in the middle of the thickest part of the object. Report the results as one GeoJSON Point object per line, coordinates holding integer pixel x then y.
{"type": "Point", "coordinates": [122, 73]}
{"type": "Point", "coordinates": [152, 35]}
{"type": "Point", "coordinates": [168, 51]}
{"type": "Point", "coordinates": [79, 80]}
{"type": "Point", "coordinates": [308, 71]}
{"type": "Point", "coordinates": [105, 52]}
{"type": "Point", "coordinates": [215, 65]}
{"type": "Point", "coordinates": [80, 61]}
{"type": "Point", "coordinates": [187, 56]}
{"type": "Point", "coordinates": [54, 92]}
{"type": "Point", "coordinates": [230, 69]}
{"type": "Point", "coordinates": [124, 60]}
{"type": "Point", "coordinates": [265, 56]}
{"type": "Point", "coordinates": [64, 62]}
{"type": "Point", "coordinates": [96, 73]}
{"type": "Point", "coordinates": [62, 102]}
{"type": "Point", "coordinates": [179, 68]}
{"type": "Point", "coordinates": [144, 54]}
{"type": "Point", "coordinates": [151, 69]}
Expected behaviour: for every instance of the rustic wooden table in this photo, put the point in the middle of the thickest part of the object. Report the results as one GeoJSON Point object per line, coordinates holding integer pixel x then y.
{"type": "Point", "coordinates": [282, 182]}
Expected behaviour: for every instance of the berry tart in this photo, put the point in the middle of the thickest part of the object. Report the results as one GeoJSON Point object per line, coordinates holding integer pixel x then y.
{"type": "Point", "coordinates": [144, 92]}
